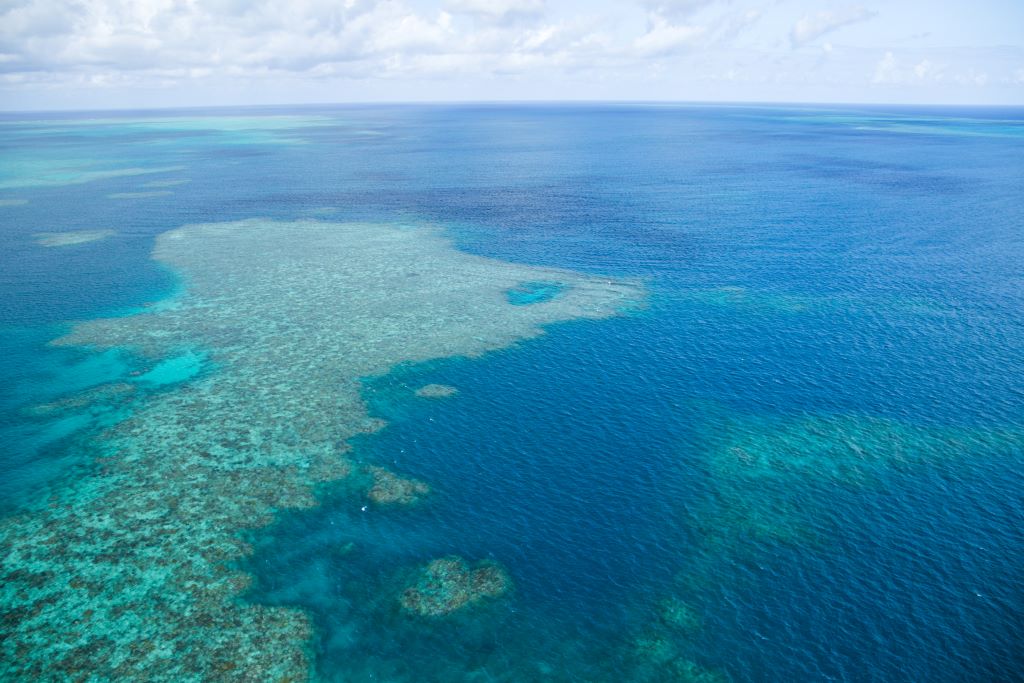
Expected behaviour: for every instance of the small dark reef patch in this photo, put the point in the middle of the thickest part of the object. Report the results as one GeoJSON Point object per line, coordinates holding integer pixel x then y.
{"type": "Point", "coordinates": [436, 391]}
{"type": "Point", "coordinates": [450, 584]}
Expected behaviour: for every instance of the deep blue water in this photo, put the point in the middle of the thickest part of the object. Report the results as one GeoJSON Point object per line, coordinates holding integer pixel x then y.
{"type": "Point", "coordinates": [846, 275]}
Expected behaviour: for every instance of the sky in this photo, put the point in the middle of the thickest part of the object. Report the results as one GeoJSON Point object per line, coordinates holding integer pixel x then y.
{"type": "Point", "coordinates": [117, 54]}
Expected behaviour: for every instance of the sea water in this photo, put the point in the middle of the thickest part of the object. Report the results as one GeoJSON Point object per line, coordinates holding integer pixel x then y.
{"type": "Point", "coordinates": [780, 436]}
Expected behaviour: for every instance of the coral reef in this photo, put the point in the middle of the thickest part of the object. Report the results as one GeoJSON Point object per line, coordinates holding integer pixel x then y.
{"type": "Point", "coordinates": [678, 614]}
{"type": "Point", "coordinates": [30, 171]}
{"type": "Point", "coordinates": [772, 481]}
{"type": "Point", "coordinates": [390, 489]}
{"type": "Point", "coordinates": [658, 657]}
{"type": "Point", "coordinates": [139, 195]}
{"type": "Point", "coordinates": [67, 239]}
{"type": "Point", "coordinates": [450, 584]}
{"type": "Point", "coordinates": [774, 478]}
{"type": "Point", "coordinates": [167, 183]}
{"type": "Point", "coordinates": [436, 391]}
{"type": "Point", "coordinates": [126, 573]}
{"type": "Point", "coordinates": [104, 393]}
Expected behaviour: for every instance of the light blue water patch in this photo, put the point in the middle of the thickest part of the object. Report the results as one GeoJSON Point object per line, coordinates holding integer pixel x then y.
{"type": "Point", "coordinates": [69, 372]}
{"type": "Point", "coordinates": [173, 370]}
{"type": "Point", "coordinates": [49, 432]}
{"type": "Point", "coordinates": [44, 452]}
{"type": "Point", "coordinates": [28, 173]}
{"type": "Point", "coordinates": [59, 429]}
{"type": "Point", "coordinates": [534, 293]}
{"type": "Point", "coordinates": [51, 397]}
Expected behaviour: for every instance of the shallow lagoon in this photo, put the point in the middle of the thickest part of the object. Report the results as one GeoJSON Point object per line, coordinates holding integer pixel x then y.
{"type": "Point", "coordinates": [799, 457]}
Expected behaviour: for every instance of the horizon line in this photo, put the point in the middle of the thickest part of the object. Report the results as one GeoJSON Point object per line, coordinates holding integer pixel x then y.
{"type": "Point", "coordinates": [522, 102]}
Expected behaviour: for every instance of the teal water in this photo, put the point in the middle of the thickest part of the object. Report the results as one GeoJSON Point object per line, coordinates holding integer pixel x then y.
{"type": "Point", "coordinates": [799, 459]}
{"type": "Point", "coordinates": [173, 370]}
{"type": "Point", "coordinates": [533, 293]}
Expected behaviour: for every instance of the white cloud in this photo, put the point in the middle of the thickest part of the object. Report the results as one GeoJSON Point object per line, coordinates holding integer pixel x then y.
{"type": "Point", "coordinates": [267, 46]}
{"type": "Point", "coordinates": [412, 33]}
{"type": "Point", "coordinates": [500, 11]}
{"type": "Point", "coordinates": [673, 29]}
{"type": "Point", "coordinates": [813, 26]}
{"type": "Point", "coordinates": [885, 70]}
{"type": "Point", "coordinates": [675, 8]}
{"type": "Point", "coordinates": [732, 24]}
{"type": "Point", "coordinates": [663, 38]}
{"type": "Point", "coordinates": [923, 70]}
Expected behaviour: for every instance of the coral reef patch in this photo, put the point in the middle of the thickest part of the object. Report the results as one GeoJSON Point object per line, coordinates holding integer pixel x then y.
{"type": "Point", "coordinates": [103, 393]}
{"type": "Point", "coordinates": [167, 183]}
{"type": "Point", "coordinates": [450, 584]}
{"type": "Point", "coordinates": [390, 489]}
{"type": "Point", "coordinates": [772, 484]}
{"type": "Point", "coordinates": [677, 614]}
{"type": "Point", "coordinates": [67, 239]}
{"type": "Point", "coordinates": [436, 391]}
{"type": "Point", "coordinates": [35, 172]}
{"type": "Point", "coordinates": [139, 195]}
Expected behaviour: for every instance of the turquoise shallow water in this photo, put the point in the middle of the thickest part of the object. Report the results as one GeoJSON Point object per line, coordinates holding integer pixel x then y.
{"type": "Point", "coordinates": [801, 459]}
{"type": "Point", "coordinates": [533, 293]}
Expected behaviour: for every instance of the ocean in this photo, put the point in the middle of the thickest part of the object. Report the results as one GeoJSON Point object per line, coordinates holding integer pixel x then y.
{"type": "Point", "coordinates": [596, 392]}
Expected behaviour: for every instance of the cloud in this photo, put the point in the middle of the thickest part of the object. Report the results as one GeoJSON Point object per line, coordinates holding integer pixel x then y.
{"type": "Point", "coordinates": [675, 8]}
{"type": "Point", "coordinates": [673, 27]}
{"type": "Point", "coordinates": [886, 69]}
{"type": "Point", "coordinates": [389, 48]}
{"type": "Point", "coordinates": [732, 24]}
{"type": "Point", "coordinates": [223, 36]}
{"type": "Point", "coordinates": [917, 71]}
{"type": "Point", "coordinates": [663, 38]}
{"type": "Point", "coordinates": [814, 26]}
{"type": "Point", "coordinates": [412, 33]}
{"type": "Point", "coordinates": [497, 11]}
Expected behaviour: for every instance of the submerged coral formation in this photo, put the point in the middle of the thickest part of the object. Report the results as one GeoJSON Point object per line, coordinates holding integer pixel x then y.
{"type": "Point", "coordinates": [450, 584]}
{"type": "Point", "coordinates": [33, 171]}
{"type": "Point", "coordinates": [773, 478]}
{"type": "Point", "coordinates": [126, 574]}
{"type": "Point", "coordinates": [390, 489]}
{"type": "Point", "coordinates": [657, 657]}
{"type": "Point", "coordinates": [139, 195]}
{"type": "Point", "coordinates": [676, 613]}
{"type": "Point", "coordinates": [773, 482]}
{"type": "Point", "coordinates": [167, 183]}
{"type": "Point", "coordinates": [67, 239]}
{"type": "Point", "coordinates": [104, 393]}
{"type": "Point", "coordinates": [436, 391]}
